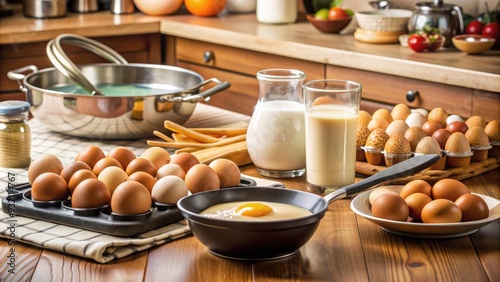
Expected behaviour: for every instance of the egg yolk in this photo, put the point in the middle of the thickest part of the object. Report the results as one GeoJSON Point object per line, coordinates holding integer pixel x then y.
{"type": "Point", "coordinates": [254, 209]}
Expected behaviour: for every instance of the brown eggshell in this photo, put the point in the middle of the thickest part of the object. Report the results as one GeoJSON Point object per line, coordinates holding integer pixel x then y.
{"type": "Point", "coordinates": [397, 127]}
{"type": "Point", "coordinates": [112, 176]}
{"type": "Point", "coordinates": [477, 136]}
{"type": "Point", "coordinates": [49, 186]}
{"type": "Point", "coordinates": [104, 163]}
{"type": "Point", "coordinates": [123, 155]}
{"type": "Point", "coordinates": [71, 168]}
{"type": "Point", "coordinates": [438, 114]}
{"type": "Point", "coordinates": [185, 160]}
{"type": "Point", "coordinates": [78, 177]}
{"type": "Point", "coordinates": [457, 126]}
{"type": "Point", "coordinates": [228, 172]}
{"type": "Point", "coordinates": [441, 136]}
{"type": "Point", "coordinates": [473, 207]}
{"type": "Point", "coordinates": [90, 155]}
{"type": "Point", "coordinates": [171, 169]}
{"type": "Point", "coordinates": [377, 138]}
{"type": "Point", "coordinates": [475, 120]}
{"type": "Point", "coordinates": [416, 186]}
{"type": "Point", "coordinates": [457, 143]}
{"type": "Point", "coordinates": [397, 144]}
{"type": "Point", "coordinates": [384, 114]}
{"type": "Point", "coordinates": [141, 164]}
{"type": "Point", "coordinates": [157, 156]}
{"type": "Point", "coordinates": [431, 126]}
{"type": "Point", "coordinates": [90, 193]}
{"type": "Point", "coordinates": [449, 189]}
{"type": "Point", "coordinates": [400, 112]}
{"type": "Point", "coordinates": [416, 202]}
{"type": "Point", "coordinates": [145, 178]}
{"type": "Point", "coordinates": [492, 129]}
{"type": "Point", "coordinates": [201, 178]}
{"type": "Point", "coordinates": [377, 123]}
{"type": "Point", "coordinates": [42, 164]}
{"type": "Point", "coordinates": [441, 211]}
{"type": "Point", "coordinates": [131, 197]}
{"type": "Point", "coordinates": [362, 133]}
{"type": "Point", "coordinates": [377, 192]}
{"type": "Point", "coordinates": [390, 206]}
{"type": "Point", "coordinates": [414, 135]}
{"type": "Point", "coordinates": [364, 118]}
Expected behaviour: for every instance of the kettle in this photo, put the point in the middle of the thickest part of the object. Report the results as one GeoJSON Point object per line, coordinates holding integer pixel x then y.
{"type": "Point", "coordinates": [448, 18]}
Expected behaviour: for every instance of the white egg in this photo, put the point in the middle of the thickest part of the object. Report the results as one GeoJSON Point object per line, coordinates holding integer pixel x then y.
{"type": "Point", "coordinates": [424, 112]}
{"type": "Point", "coordinates": [452, 118]}
{"type": "Point", "coordinates": [415, 119]}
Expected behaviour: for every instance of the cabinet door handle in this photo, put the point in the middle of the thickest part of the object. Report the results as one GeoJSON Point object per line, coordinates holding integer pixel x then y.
{"type": "Point", "coordinates": [411, 95]}
{"type": "Point", "coordinates": [208, 56]}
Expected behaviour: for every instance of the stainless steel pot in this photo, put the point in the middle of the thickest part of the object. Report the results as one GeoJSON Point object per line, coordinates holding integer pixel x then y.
{"type": "Point", "coordinates": [65, 107]}
{"type": "Point", "coordinates": [41, 9]}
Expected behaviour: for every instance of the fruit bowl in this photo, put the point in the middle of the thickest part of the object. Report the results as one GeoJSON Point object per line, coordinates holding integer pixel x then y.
{"type": "Point", "coordinates": [329, 26]}
{"type": "Point", "coordinates": [473, 44]}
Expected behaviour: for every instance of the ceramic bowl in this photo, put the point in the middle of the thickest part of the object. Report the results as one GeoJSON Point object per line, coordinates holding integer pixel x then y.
{"type": "Point", "coordinates": [393, 20]}
{"type": "Point", "coordinates": [473, 44]}
{"type": "Point", "coordinates": [329, 26]}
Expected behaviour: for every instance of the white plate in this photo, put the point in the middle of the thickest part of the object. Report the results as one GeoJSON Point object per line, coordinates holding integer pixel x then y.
{"type": "Point", "coordinates": [361, 205]}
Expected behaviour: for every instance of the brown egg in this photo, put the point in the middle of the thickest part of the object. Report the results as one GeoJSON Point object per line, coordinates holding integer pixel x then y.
{"type": "Point", "coordinates": [78, 177]}
{"type": "Point", "coordinates": [228, 172]}
{"type": "Point", "coordinates": [377, 123]}
{"type": "Point", "coordinates": [112, 176]}
{"type": "Point", "coordinates": [492, 129]}
{"type": "Point", "coordinates": [377, 192]}
{"type": "Point", "coordinates": [457, 143]}
{"type": "Point", "coordinates": [473, 207]}
{"type": "Point", "coordinates": [364, 117]}
{"type": "Point", "coordinates": [104, 163]}
{"type": "Point", "coordinates": [390, 206]}
{"type": "Point", "coordinates": [201, 178]}
{"type": "Point", "coordinates": [42, 164]}
{"type": "Point", "coordinates": [416, 203]}
{"type": "Point", "coordinates": [441, 136]}
{"type": "Point", "coordinates": [90, 193]}
{"type": "Point", "coordinates": [123, 155]}
{"type": "Point", "coordinates": [131, 197]}
{"type": "Point", "coordinates": [170, 169]}
{"type": "Point", "coordinates": [441, 211]}
{"type": "Point", "coordinates": [475, 120]}
{"type": "Point", "coordinates": [414, 135]}
{"type": "Point", "coordinates": [157, 156]}
{"type": "Point", "coordinates": [90, 155]}
{"type": "Point", "coordinates": [185, 160]}
{"type": "Point", "coordinates": [431, 126]}
{"type": "Point", "coordinates": [457, 126]}
{"type": "Point", "coordinates": [438, 114]}
{"type": "Point", "coordinates": [397, 144]}
{"type": "Point", "coordinates": [377, 138]}
{"type": "Point", "coordinates": [141, 164]}
{"type": "Point", "coordinates": [400, 112]}
{"type": "Point", "coordinates": [416, 186]}
{"type": "Point", "coordinates": [362, 133]}
{"type": "Point", "coordinates": [415, 119]}
{"type": "Point", "coordinates": [169, 190]}
{"type": "Point", "coordinates": [449, 189]}
{"type": "Point", "coordinates": [477, 136]}
{"type": "Point", "coordinates": [49, 186]}
{"type": "Point", "coordinates": [145, 178]}
{"type": "Point", "coordinates": [384, 114]}
{"type": "Point", "coordinates": [428, 145]}
{"type": "Point", "coordinates": [397, 127]}
{"type": "Point", "coordinates": [71, 168]}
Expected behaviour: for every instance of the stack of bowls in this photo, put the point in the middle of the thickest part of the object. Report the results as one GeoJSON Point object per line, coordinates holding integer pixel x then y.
{"type": "Point", "coordinates": [382, 26]}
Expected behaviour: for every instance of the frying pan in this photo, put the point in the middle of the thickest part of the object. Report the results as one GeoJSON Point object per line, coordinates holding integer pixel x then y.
{"type": "Point", "coordinates": [244, 240]}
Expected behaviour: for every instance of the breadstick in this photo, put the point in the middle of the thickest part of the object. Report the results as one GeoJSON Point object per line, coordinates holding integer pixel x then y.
{"type": "Point", "coordinates": [163, 136]}
{"type": "Point", "coordinates": [221, 142]}
{"type": "Point", "coordinates": [221, 131]}
{"type": "Point", "coordinates": [189, 132]}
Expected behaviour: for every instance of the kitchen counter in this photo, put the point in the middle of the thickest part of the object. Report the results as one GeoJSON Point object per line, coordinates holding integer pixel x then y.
{"type": "Point", "coordinates": [345, 247]}
{"type": "Point", "coordinates": [300, 40]}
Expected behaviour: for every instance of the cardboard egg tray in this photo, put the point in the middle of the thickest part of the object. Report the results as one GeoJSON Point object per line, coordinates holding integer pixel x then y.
{"type": "Point", "coordinates": [100, 220]}
{"type": "Point", "coordinates": [460, 173]}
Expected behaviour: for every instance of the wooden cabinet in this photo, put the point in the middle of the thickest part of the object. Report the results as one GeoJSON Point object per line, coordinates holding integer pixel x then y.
{"type": "Point", "coordinates": [239, 67]}
{"type": "Point", "coordinates": [144, 48]}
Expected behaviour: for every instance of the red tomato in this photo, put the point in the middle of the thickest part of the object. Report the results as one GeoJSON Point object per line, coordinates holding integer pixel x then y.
{"type": "Point", "coordinates": [474, 27]}
{"type": "Point", "coordinates": [416, 43]}
{"type": "Point", "coordinates": [337, 13]}
{"type": "Point", "coordinates": [493, 30]}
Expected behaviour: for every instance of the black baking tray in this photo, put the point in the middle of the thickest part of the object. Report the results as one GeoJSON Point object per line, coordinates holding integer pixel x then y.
{"type": "Point", "coordinates": [18, 202]}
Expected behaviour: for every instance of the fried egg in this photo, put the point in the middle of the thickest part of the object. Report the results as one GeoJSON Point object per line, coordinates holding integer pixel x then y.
{"type": "Point", "coordinates": [255, 211]}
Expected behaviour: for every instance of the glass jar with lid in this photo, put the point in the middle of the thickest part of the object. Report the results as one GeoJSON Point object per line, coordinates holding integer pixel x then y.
{"type": "Point", "coordinates": [15, 134]}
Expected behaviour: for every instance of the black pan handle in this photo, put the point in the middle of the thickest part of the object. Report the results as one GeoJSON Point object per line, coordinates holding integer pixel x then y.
{"type": "Point", "coordinates": [402, 169]}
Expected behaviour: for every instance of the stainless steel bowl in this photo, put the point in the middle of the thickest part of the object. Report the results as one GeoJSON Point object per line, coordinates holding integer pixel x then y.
{"type": "Point", "coordinates": [41, 9]}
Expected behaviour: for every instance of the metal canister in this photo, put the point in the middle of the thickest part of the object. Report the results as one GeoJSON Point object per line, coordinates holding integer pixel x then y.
{"type": "Point", "coordinates": [15, 134]}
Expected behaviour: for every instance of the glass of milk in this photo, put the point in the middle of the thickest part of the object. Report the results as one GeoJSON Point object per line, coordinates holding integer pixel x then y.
{"type": "Point", "coordinates": [331, 120]}
{"type": "Point", "coordinates": [276, 132]}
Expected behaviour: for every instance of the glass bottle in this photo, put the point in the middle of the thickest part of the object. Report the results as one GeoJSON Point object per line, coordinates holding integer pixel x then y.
{"type": "Point", "coordinates": [15, 134]}
{"type": "Point", "coordinates": [276, 132]}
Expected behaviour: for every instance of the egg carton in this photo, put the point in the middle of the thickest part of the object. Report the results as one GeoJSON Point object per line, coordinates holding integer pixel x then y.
{"type": "Point", "coordinates": [460, 173]}
{"type": "Point", "coordinates": [100, 219]}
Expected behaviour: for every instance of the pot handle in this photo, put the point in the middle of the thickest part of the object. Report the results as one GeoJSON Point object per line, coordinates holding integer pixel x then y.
{"type": "Point", "coordinates": [61, 61]}
{"type": "Point", "coordinates": [18, 75]}
{"type": "Point", "coordinates": [201, 96]}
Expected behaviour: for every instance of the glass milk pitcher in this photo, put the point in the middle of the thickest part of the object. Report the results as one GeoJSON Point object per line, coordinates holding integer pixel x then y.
{"type": "Point", "coordinates": [276, 132]}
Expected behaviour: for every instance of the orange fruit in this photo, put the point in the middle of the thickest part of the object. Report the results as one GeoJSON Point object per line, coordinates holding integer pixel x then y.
{"type": "Point", "coordinates": [205, 8]}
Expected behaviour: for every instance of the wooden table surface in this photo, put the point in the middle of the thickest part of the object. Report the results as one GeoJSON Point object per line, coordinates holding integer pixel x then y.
{"type": "Point", "coordinates": [345, 247]}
